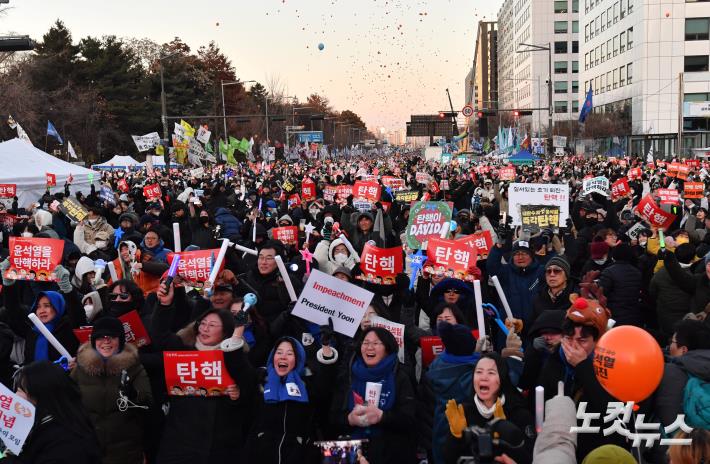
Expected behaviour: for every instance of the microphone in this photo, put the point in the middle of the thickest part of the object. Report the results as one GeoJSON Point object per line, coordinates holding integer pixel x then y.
{"type": "Point", "coordinates": [249, 301]}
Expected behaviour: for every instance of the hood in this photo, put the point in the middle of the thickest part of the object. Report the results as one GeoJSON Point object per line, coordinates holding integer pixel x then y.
{"type": "Point", "coordinates": [83, 266]}
{"type": "Point", "coordinates": [287, 218]}
{"type": "Point", "coordinates": [132, 248]}
{"type": "Point", "coordinates": [98, 225]}
{"type": "Point", "coordinates": [91, 362]}
{"type": "Point", "coordinates": [95, 299]}
{"type": "Point", "coordinates": [447, 377]}
{"type": "Point", "coordinates": [349, 263]}
{"type": "Point", "coordinates": [55, 298]}
{"type": "Point", "coordinates": [696, 362]}
{"type": "Point", "coordinates": [43, 218]}
{"type": "Point", "coordinates": [300, 355]}
{"type": "Point", "coordinates": [220, 211]}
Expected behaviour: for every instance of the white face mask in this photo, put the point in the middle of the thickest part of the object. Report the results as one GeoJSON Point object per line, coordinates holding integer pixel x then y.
{"type": "Point", "coordinates": [314, 212]}
{"type": "Point", "coordinates": [88, 309]}
{"type": "Point", "coordinates": [600, 261]}
{"type": "Point", "coordinates": [100, 244]}
{"type": "Point", "coordinates": [642, 242]}
{"type": "Point", "coordinates": [92, 221]}
{"type": "Point", "coordinates": [27, 234]}
{"type": "Point", "coordinates": [340, 258]}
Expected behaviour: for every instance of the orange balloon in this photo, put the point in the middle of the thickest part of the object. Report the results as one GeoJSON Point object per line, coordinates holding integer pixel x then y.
{"type": "Point", "coordinates": [628, 363]}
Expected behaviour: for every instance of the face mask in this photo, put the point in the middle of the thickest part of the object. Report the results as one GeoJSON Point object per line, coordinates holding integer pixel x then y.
{"type": "Point", "coordinates": [88, 309]}
{"type": "Point", "coordinates": [204, 219]}
{"type": "Point", "coordinates": [100, 244]}
{"type": "Point", "coordinates": [155, 213]}
{"type": "Point", "coordinates": [340, 258]}
{"type": "Point", "coordinates": [314, 211]}
{"type": "Point", "coordinates": [642, 242]}
{"type": "Point", "coordinates": [119, 308]}
{"type": "Point", "coordinates": [27, 234]}
{"type": "Point", "coordinates": [92, 221]}
{"type": "Point", "coordinates": [600, 261]}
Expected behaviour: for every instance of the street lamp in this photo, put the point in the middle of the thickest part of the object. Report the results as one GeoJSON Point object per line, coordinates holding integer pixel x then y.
{"type": "Point", "coordinates": [164, 114]}
{"type": "Point", "coordinates": [539, 48]}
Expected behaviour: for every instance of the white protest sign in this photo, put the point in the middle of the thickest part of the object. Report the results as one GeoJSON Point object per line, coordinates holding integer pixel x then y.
{"type": "Point", "coordinates": [395, 329]}
{"type": "Point", "coordinates": [146, 142]}
{"type": "Point", "coordinates": [196, 150]}
{"type": "Point", "coordinates": [18, 417]}
{"type": "Point", "coordinates": [634, 232]}
{"type": "Point", "coordinates": [538, 194]}
{"type": "Point", "coordinates": [325, 296]}
{"type": "Point", "coordinates": [203, 135]}
{"type": "Point", "coordinates": [180, 131]}
{"type": "Point", "coordinates": [598, 184]}
{"type": "Point", "coordinates": [199, 172]}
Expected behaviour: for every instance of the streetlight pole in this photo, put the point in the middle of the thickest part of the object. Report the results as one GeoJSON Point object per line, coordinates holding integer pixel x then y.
{"type": "Point", "coordinates": [163, 105]}
{"type": "Point", "coordinates": [538, 48]}
{"type": "Point", "coordinates": [224, 107]}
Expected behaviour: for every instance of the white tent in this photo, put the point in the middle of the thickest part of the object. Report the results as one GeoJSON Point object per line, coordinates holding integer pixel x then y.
{"type": "Point", "coordinates": [159, 162]}
{"type": "Point", "coordinates": [27, 167]}
{"type": "Point", "coordinates": [118, 162]}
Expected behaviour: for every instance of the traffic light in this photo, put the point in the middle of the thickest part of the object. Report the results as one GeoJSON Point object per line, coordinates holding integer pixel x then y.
{"type": "Point", "coordinates": [447, 114]}
{"type": "Point", "coordinates": [516, 114]}
{"type": "Point", "coordinates": [481, 115]}
{"type": "Point", "coordinates": [525, 113]}
{"type": "Point", "coordinates": [442, 115]}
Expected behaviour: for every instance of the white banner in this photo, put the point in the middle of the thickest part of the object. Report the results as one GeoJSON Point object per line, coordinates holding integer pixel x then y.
{"type": "Point", "coordinates": [196, 151]}
{"type": "Point", "coordinates": [146, 142]}
{"type": "Point", "coordinates": [538, 194]}
{"type": "Point", "coordinates": [696, 109]}
{"type": "Point", "coordinates": [559, 141]}
{"type": "Point", "coordinates": [598, 184]}
{"type": "Point", "coordinates": [325, 296]}
{"type": "Point", "coordinates": [180, 132]}
{"type": "Point", "coordinates": [18, 417]}
{"type": "Point", "coordinates": [199, 172]}
{"type": "Point", "coordinates": [395, 329]}
{"type": "Point", "coordinates": [203, 135]}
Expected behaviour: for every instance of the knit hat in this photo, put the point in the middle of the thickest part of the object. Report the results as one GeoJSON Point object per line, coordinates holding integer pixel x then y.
{"type": "Point", "coordinates": [457, 338]}
{"type": "Point", "coordinates": [609, 453]}
{"type": "Point", "coordinates": [522, 245]}
{"type": "Point", "coordinates": [597, 250]}
{"type": "Point", "coordinates": [623, 252]}
{"type": "Point", "coordinates": [550, 319]}
{"type": "Point", "coordinates": [561, 262]}
{"type": "Point", "coordinates": [365, 214]}
{"type": "Point", "coordinates": [108, 326]}
{"type": "Point", "coordinates": [343, 270]}
{"type": "Point", "coordinates": [286, 218]}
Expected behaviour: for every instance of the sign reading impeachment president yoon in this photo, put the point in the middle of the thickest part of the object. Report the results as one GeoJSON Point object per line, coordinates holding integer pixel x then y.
{"type": "Point", "coordinates": [325, 296]}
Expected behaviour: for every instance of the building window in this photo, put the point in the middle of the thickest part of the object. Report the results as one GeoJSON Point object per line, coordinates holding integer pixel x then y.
{"type": "Point", "coordinates": [575, 106]}
{"type": "Point", "coordinates": [615, 77]}
{"type": "Point", "coordinates": [622, 76]}
{"type": "Point", "coordinates": [586, 61]}
{"type": "Point", "coordinates": [608, 80]}
{"type": "Point", "coordinates": [560, 6]}
{"type": "Point", "coordinates": [586, 32]}
{"type": "Point", "coordinates": [631, 6]}
{"type": "Point", "coordinates": [575, 6]}
{"type": "Point", "coordinates": [629, 38]}
{"type": "Point", "coordinates": [616, 12]}
{"type": "Point", "coordinates": [697, 28]}
{"type": "Point", "coordinates": [608, 17]}
{"type": "Point", "coordinates": [575, 46]}
{"type": "Point", "coordinates": [603, 20]}
{"type": "Point", "coordinates": [696, 97]}
{"type": "Point", "coordinates": [616, 44]}
{"type": "Point", "coordinates": [586, 6]}
{"type": "Point", "coordinates": [596, 85]}
{"type": "Point", "coordinates": [560, 106]}
{"type": "Point", "coordinates": [601, 83]}
{"type": "Point", "coordinates": [575, 26]}
{"type": "Point", "coordinates": [560, 86]}
{"type": "Point", "coordinates": [608, 49]}
{"type": "Point", "coordinates": [596, 26]}
{"type": "Point", "coordinates": [575, 87]}
{"type": "Point", "coordinates": [622, 42]}
{"type": "Point", "coordinates": [602, 48]}
{"type": "Point", "coordinates": [591, 29]}
{"type": "Point", "coordinates": [596, 56]}
{"type": "Point", "coordinates": [623, 9]}
{"type": "Point", "coordinates": [561, 47]}
{"type": "Point", "coordinates": [560, 67]}
{"type": "Point", "coordinates": [575, 67]}
{"type": "Point", "coordinates": [560, 27]}
{"type": "Point", "coordinates": [696, 63]}
{"type": "Point", "coordinates": [628, 74]}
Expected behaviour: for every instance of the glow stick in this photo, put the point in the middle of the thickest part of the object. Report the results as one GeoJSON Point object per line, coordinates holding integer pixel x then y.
{"type": "Point", "coordinates": [479, 309]}
{"type": "Point", "coordinates": [349, 246]}
{"type": "Point", "coordinates": [176, 237]}
{"type": "Point", "coordinates": [253, 232]}
{"type": "Point", "coordinates": [285, 277]}
{"type": "Point", "coordinates": [48, 335]}
{"type": "Point", "coordinates": [173, 270]}
{"type": "Point", "coordinates": [445, 230]}
{"type": "Point", "coordinates": [561, 388]}
{"type": "Point", "coordinates": [539, 407]}
{"type": "Point", "coordinates": [245, 249]}
{"type": "Point", "coordinates": [218, 262]}
{"type": "Point", "coordinates": [502, 297]}
{"type": "Point", "coordinates": [112, 271]}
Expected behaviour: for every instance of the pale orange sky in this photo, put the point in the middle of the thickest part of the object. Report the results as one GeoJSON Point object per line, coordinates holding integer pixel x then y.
{"type": "Point", "coordinates": [383, 59]}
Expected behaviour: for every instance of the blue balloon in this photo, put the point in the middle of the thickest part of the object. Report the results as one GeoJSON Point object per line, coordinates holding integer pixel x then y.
{"type": "Point", "coordinates": [321, 46]}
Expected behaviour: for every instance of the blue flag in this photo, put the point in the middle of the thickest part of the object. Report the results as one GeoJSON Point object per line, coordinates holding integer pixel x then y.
{"type": "Point", "coordinates": [587, 107]}
{"type": "Point", "coordinates": [53, 132]}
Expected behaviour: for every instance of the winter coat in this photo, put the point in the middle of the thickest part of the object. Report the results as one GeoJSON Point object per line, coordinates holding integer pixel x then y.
{"type": "Point", "coordinates": [697, 285]}
{"type": "Point", "coordinates": [229, 224]}
{"type": "Point", "coordinates": [555, 443]}
{"type": "Point", "coordinates": [669, 394]}
{"type": "Point", "coordinates": [520, 285]}
{"type": "Point", "coordinates": [271, 292]}
{"type": "Point", "coordinates": [326, 259]}
{"type": "Point", "coordinates": [622, 287]}
{"type": "Point", "coordinates": [157, 253]}
{"type": "Point", "coordinates": [202, 236]}
{"type": "Point", "coordinates": [146, 281]}
{"type": "Point", "coordinates": [85, 234]}
{"type": "Point", "coordinates": [672, 303]}
{"type": "Point", "coordinates": [543, 301]}
{"type": "Point", "coordinates": [120, 433]}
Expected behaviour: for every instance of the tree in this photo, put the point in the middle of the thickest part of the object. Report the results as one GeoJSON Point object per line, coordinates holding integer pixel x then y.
{"type": "Point", "coordinates": [54, 60]}
{"type": "Point", "coordinates": [319, 104]}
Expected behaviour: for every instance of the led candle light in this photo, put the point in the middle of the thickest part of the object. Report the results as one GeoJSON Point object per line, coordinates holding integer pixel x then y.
{"type": "Point", "coordinates": [479, 308]}
{"type": "Point", "coordinates": [286, 278]}
{"type": "Point", "coordinates": [176, 237]}
{"type": "Point", "coordinates": [48, 335]}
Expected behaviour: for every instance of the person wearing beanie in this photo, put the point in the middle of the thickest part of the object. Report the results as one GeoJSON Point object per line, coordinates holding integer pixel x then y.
{"type": "Point", "coordinates": [610, 453]}
{"type": "Point", "coordinates": [598, 257]}
{"type": "Point", "coordinates": [697, 285]}
{"type": "Point", "coordinates": [545, 335]}
{"type": "Point", "coordinates": [179, 215]}
{"type": "Point", "coordinates": [100, 364]}
{"type": "Point", "coordinates": [554, 295]}
{"type": "Point", "coordinates": [672, 303]}
{"type": "Point", "coordinates": [343, 273]}
{"type": "Point", "coordinates": [622, 284]}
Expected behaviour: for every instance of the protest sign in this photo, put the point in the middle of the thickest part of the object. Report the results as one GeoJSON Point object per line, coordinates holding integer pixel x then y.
{"type": "Point", "coordinates": [539, 215]}
{"type": "Point", "coordinates": [133, 327]}
{"type": "Point", "coordinates": [308, 189]}
{"type": "Point", "coordinates": [196, 373]}
{"type": "Point", "coordinates": [8, 190]}
{"type": "Point", "coordinates": [444, 184]}
{"type": "Point", "coordinates": [394, 183]}
{"type": "Point", "coordinates": [669, 196]}
{"type": "Point", "coordinates": [329, 193]}
{"type": "Point", "coordinates": [73, 209]}
{"type": "Point", "coordinates": [538, 194]}
{"type": "Point", "coordinates": [203, 135]}
{"type": "Point", "coordinates": [344, 191]}
{"type": "Point", "coordinates": [482, 241]}
{"type": "Point", "coordinates": [369, 191]}
{"type": "Point", "coordinates": [683, 171]}
{"type": "Point", "coordinates": [634, 232]}
{"type": "Point", "coordinates": [51, 179]}
{"type": "Point", "coordinates": [287, 186]}
{"type": "Point", "coordinates": [450, 258]}
{"type": "Point", "coordinates": [406, 196]}
{"type": "Point", "coordinates": [693, 163]}
{"type": "Point", "coordinates": [380, 265]}
{"type": "Point", "coordinates": [648, 210]}
{"type": "Point", "coordinates": [598, 184]}
{"type": "Point", "coordinates": [426, 219]}
{"type": "Point", "coordinates": [507, 173]}
{"type": "Point", "coordinates": [620, 188]}
{"type": "Point", "coordinates": [325, 296]}
{"type": "Point", "coordinates": [106, 194]}
{"type": "Point", "coordinates": [146, 142]}
{"type": "Point", "coordinates": [396, 329]}
{"type": "Point", "coordinates": [198, 172]}
{"type": "Point", "coordinates": [294, 200]}
{"type": "Point", "coordinates": [152, 192]}
{"type": "Point", "coordinates": [287, 235]}
{"type": "Point", "coordinates": [123, 185]}
{"type": "Point", "coordinates": [18, 417]}
{"type": "Point", "coordinates": [694, 189]}
{"type": "Point", "coordinates": [195, 266]}
{"type": "Point", "coordinates": [634, 173]}
{"type": "Point", "coordinates": [362, 204]}
{"type": "Point", "coordinates": [34, 258]}
{"type": "Point", "coordinates": [422, 178]}
{"type": "Point", "coordinates": [672, 169]}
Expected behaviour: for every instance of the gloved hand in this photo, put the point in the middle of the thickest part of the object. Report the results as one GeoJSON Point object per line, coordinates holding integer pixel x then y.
{"type": "Point", "coordinates": [327, 333]}
{"type": "Point", "coordinates": [63, 279]}
{"type": "Point", "coordinates": [4, 266]}
{"type": "Point", "coordinates": [456, 417]}
{"type": "Point", "coordinates": [662, 253]}
{"type": "Point", "coordinates": [483, 345]}
{"type": "Point", "coordinates": [241, 318]}
{"type": "Point", "coordinates": [502, 232]}
{"type": "Point", "coordinates": [540, 344]}
{"type": "Point", "coordinates": [326, 231]}
{"type": "Point", "coordinates": [513, 345]}
{"type": "Point", "coordinates": [290, 306]}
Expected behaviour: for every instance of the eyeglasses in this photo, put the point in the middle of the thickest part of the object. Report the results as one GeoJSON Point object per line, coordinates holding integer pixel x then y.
{"type": "Point", "coordinates": [372, 344]}
{"type": "Point", "coordinates": [210, 325]}
{"type": "Point", "coordinates": [116, 296]}
{"type": "Point", "coordinates": [452, 290]}
{"type": "Point", "coordinates": [266, 258]}
{"type": "Point", "coordinates": [553, 270]}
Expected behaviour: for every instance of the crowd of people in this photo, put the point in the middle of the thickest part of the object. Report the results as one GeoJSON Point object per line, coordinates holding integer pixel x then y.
{"type": "Point", "coordinates": [297, 383]}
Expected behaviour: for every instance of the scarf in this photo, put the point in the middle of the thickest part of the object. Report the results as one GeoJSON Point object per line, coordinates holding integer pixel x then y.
{"type": "Point", "coordinates": [202, 347]}
{"type": "Point", "coordinates": [42, 344]}
{"type": "Point", "coordinates": [494, 411]}
{"type": "Point", "coordinates": [288, 388]}
{"type": "Point", "coordinates": [569, 369]}
{"type": "Point", "coordinates": [459, 359]}
{"type": "Point", "coordinates": [248, 336]}
{"type": "Point", "coordinates": [383, 372]}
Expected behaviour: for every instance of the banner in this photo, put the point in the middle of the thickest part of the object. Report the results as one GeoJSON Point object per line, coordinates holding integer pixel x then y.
{"type": "Point", "coordinates": [538, 194]}
{"type": "Point", "coordinates": [287, 186]}
{"type": "Point", "coordinates": [406, 196]}
{"type": "Point", "coordinates": [329, 193]}
{"type": "Point", "coordinates": [325, 296]}
{"type": "Point", "coordinates": [308, 190]}
{"type": "Point", "coordinates": [146, 142]}
{"type": "Point", "coordinates": [507, 173]}
{"type": "Point", "coordinates": [132, 326]}
{"type": "Point", "coordinates": [51, 179]}
{"type": "Point", "coordinates": [654, 215]}
{"type": "Point", "coordinates": [542, 216]}
{"type": "Point", "coordinates": [369, 191]}
{"type": "Point", "coordinates": [598, 184]}
{"type": "Point", "coordinates": [73, 209]}
{"type": "Point", "coordinates": [425, 221]}
{"type": "Point", "coordinates": [195, 266]}
{"type": "Point", "coordinates": [693, 163]}
{"type": "Point", "coordinates": [694, 189]}
{"type": "Point", "coordinates": [450, 258]}
{"type": "Point", "coordinates": [123, 185]}
{"type": "Point", "coordinates": [8, 190]}
{"type": "Point", "coordinates": [634, 173]}
{"type": "Point", "coordinates": [287, 235]}
{"type": "Point", "coordinates": [394, 183]}
{"type": "Point", "coordinates": [396, 329]}
{"type": "Point", "coordinates": [294, 200]}
{"type": "Point", "coordinates": [423, 178]}
{"type": "Point", "coordinates": [683, 171]}
{"type": "Point", "coordinates": [106, 194]}
{"type": "Point", "coordinates": [34, 258]}
{"type": "Point", "coordinates": [18, 418]}
{"type": "Point", "coordinates": [203, 135]}
{"type": "Point", "coordinates": [152, 192]}
{"type": "Point", "coordinates": [380, 265]}
{"type": "Point", "coordinates": [672, 170]}
{"type": "Point", "coordinates": [344, 191]}
{"type": "Point", "coordinates": [620, 188]}
{"type": "Point", "coordinates": [196, 373]}
{"type": "Point", "coordinates": [481, 241]}
{"type": "Point", "coordinates": [669, 196]}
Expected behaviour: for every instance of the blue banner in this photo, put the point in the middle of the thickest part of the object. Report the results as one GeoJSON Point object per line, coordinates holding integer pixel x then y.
{"type": "Point", "coordinates": [310, 137]}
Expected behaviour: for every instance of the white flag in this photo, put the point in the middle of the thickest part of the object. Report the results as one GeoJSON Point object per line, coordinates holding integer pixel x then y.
{"type": "Point", "coordinates": [146, 142]}
{"type": "Point", "coordinates": [21, 134]}
{"type": "Point", "coordinates": [203, 135]}
{"type": "Point", "coordinates": [71, 151]}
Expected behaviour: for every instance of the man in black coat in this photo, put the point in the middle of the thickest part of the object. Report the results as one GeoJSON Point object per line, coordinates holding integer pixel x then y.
{"type": "Point", "coordinates": [622, 286]}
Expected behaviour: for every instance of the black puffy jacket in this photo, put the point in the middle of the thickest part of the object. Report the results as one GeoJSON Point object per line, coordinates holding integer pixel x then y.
{"type": "Point", "coordinates": [622, 287]}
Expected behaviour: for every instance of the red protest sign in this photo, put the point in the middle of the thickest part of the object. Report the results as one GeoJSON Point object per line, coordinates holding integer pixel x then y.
{"type": "Point", "coordinates": [369, 191]}
{"type": "Point", "coordinates": [620, 188]}
{"type": "Point", "coordinates": [134, 329]}
{"type": "Point", "coordinates": [8, 190]}
{"type": "Point", "coordinates": [34, 258]}
{"type": "Point", "coordinates": [434, 187]}
{"type": "Point", "coordinates": [196, 373]}
{"type": "Point", "coordinates": [507, 173]}
{"type": "Point", "coordinates": [432, 347]}
{"type": "Point", "coordinates": [294, 200]}
{"type": "Point", "coordinates": [422, 177]}
{"type": "Point", "coordinates": [83, 334]}
{"type": "Point", "coordinates": [123, 185]}
{"type": "Point", "coordinates": [308, 189]}
{"type": "Point", "coordinates": [694, 189]}
{"type": "Point", "coordinates": [287, 235]}
{"type": "Point", "coordinates": [482, 241]}
{"type": "Point", "coordinates": [693, 163]}
{"type": "Point", "coordinates": [380, 265]}
{"type": "Point", "coordinates": [395, 183]}
{"type": "Point", "coordinates": [634, 173]}
{"type": "Point", "coordinates": [152, 192]}
{"type": "Point", "coordinates": [51, 179]}
{"type": "Point", "coordinates": [195, 266]}
{"type": "Point", "coordinates": [344, 191]}
{"type": "Point", "coordinates": [450, 258]}
{"type": "Point", "coordinates": [329, 192]}
{"type": "Point", "coordinates": [649, 210]}
{"type": "Point", "coordinates": [673, 169]}
{"type": "Point", "coordinates": [683, 171]}
{"type": "Point", "coordinates": [669, 196]}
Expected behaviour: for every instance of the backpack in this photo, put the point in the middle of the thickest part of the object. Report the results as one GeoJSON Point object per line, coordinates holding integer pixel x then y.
{"type": "Point", "coordinates": [696, 402]}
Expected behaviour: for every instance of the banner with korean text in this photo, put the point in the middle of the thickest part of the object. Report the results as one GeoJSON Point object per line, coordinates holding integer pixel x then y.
{"type": "Point", "coordinates": [450, 258]}
{"type": "Point", "coordinates": [196, 373]}
{"type": "Point", "coordinates": [34, 258]}
{"type": "Point", "coordinates": [380, 265]}
{"type": "Point", "coordinates": [195, 266]}
{"type": "Point", "coordinates": [426, 218]}
{"type": "Point", "coordinates": [538, 194]}
{"type": "Point", "coordinates": [653, 214]}
{"type": "Point", "coordinates": [18, 418]}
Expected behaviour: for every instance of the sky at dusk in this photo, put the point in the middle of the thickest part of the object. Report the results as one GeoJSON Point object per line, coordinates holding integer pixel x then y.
{"type": "Point", "coordinates": [383, 59]}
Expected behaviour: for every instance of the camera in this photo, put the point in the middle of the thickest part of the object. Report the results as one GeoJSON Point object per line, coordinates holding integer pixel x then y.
{"type": "Point", "coordinates": [496, 437]}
